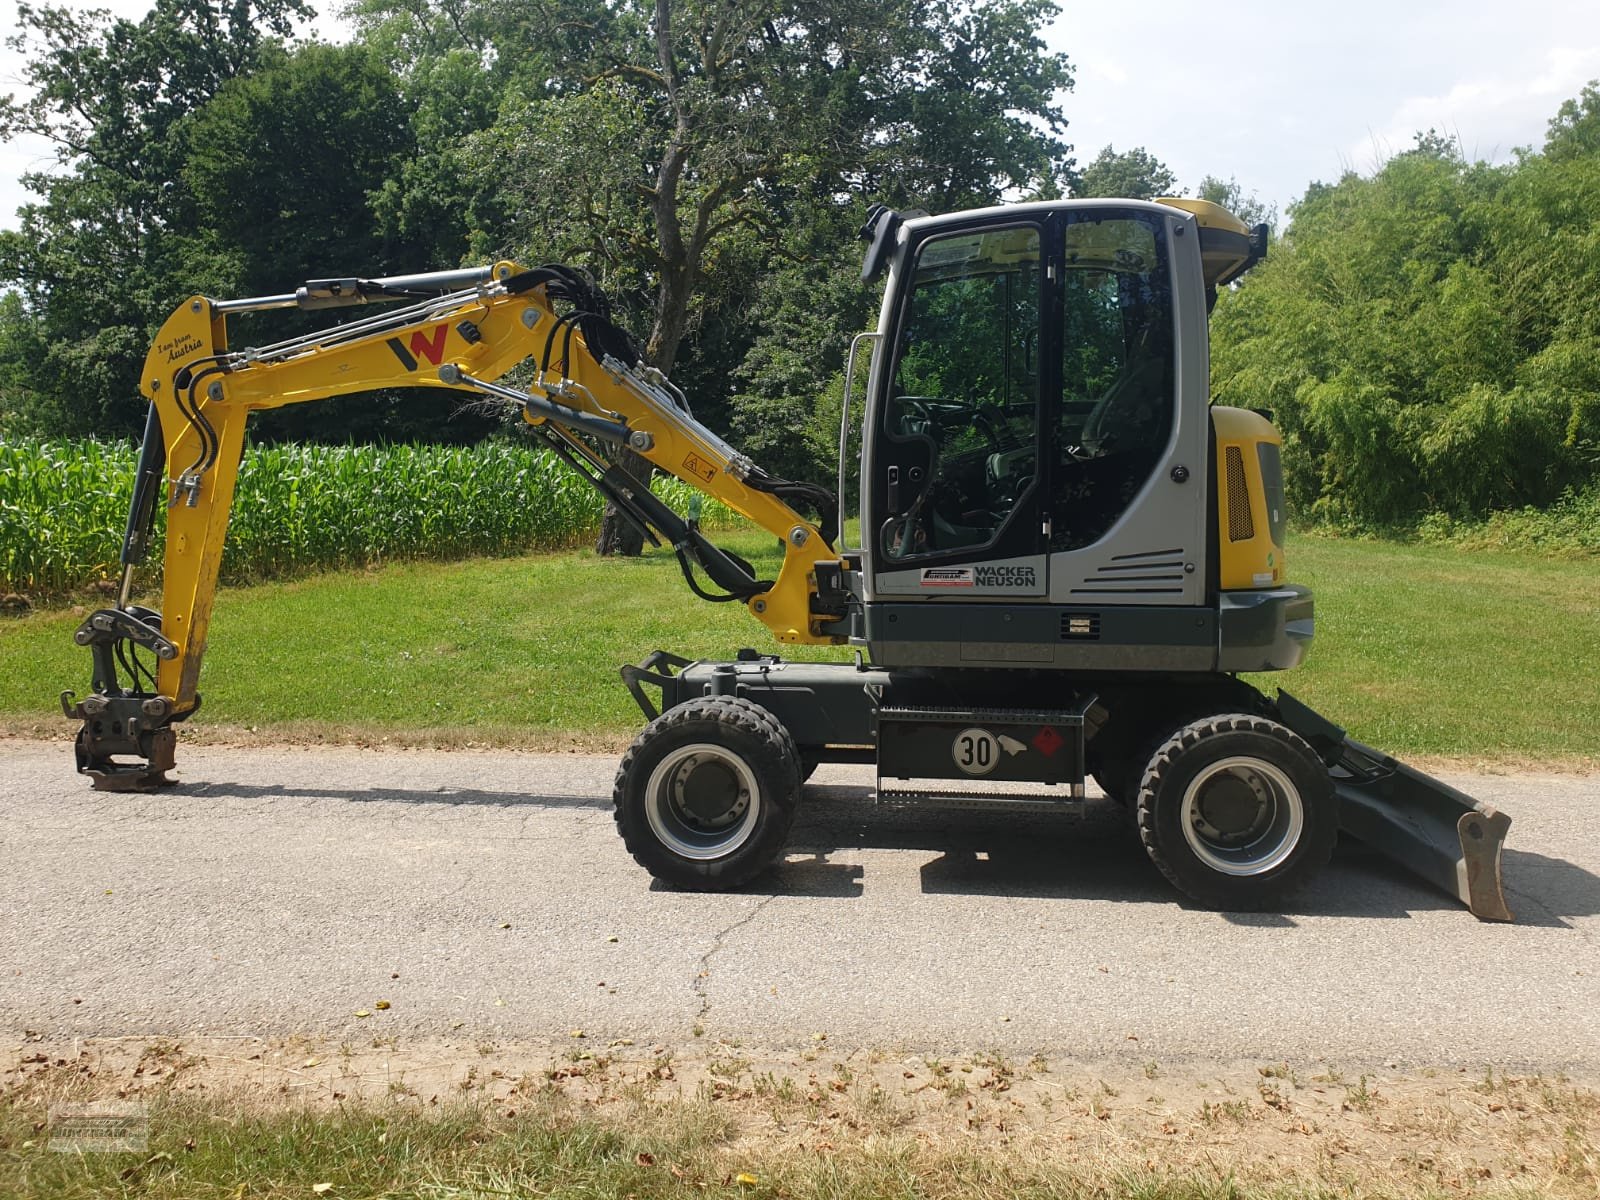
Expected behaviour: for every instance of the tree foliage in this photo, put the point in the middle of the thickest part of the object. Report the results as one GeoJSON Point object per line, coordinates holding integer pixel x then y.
{"type": "Point", "coordinates": [106, 251]}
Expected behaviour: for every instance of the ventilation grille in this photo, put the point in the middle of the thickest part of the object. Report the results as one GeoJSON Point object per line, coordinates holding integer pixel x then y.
{"type": "Point", "coordinates": [1241, 526]}
{"type": "Point", "coordinates": [1080, 627]}
{"type": "Point", "coordinates": [1156, 572]}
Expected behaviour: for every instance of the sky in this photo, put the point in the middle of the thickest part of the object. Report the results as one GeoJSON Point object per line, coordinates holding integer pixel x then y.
{"type": "Point", "coordinates": [1281, 95]}
{"type": "Point", "coordinates": [1277, 95]}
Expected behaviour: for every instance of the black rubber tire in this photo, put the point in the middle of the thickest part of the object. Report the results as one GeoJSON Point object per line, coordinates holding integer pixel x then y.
{"type": "Point", "coordinates": [750, 749]}
{"type": "Point", "coordinates": [1275, 763]}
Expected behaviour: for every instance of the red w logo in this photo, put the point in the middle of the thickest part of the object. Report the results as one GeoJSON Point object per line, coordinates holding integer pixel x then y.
{"type": "Point", "coordinates": [430, 348]}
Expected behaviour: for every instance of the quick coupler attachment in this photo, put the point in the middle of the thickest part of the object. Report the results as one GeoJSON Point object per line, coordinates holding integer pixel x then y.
{"type": "Point", "coordinates": [1432, 830]}
{"type": "Point", "coordinates": [126, 741]}
{"type": "Point", "coordinates": [129, 726]}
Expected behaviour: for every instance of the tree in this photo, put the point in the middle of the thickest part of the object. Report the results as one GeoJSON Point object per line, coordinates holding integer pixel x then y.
{"type": "Point", "coordinates": [103, 255]}
{"type": "Point", "coordinates": [1228, 193]}
{"type": "Point", "coordinates": [1134, 175]}
{"type": "Point", "coordinates": [653, 139]}
{"type": "Point", "coordinates": [1574, 131]}
{"type": "Point", "coordinates": [312, 137]}
{"type": "Point", "coordinates": [683, 150]}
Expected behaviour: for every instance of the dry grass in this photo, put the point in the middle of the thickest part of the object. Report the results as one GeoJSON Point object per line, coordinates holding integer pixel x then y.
{"type": "Point", "coordinates": [244, 1118]}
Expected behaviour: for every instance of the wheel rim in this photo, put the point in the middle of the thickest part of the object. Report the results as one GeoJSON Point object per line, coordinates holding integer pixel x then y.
{"type": "Point", "coordinates": [1242, 816]}
{"type": "Point", "coordinates": [702, 801]}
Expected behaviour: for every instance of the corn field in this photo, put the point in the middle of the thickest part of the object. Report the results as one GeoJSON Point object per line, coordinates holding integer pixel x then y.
{"type": "Point", "coordinates": [64, 507]}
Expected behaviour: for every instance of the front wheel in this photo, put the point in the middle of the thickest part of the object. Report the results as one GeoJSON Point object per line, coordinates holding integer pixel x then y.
{"type": "Point", "coordinates": [705, 795]}
{"type": "Point", "coordinates": [1237, 811]}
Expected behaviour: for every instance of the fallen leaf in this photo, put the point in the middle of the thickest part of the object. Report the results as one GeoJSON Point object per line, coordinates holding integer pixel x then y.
{"type": "Point", "coordinates": [319, 1189]}
{"type": "Point", "coordinates": [505, 924]}
{"type": "Point", "coordinates": [645, 1159]}
{"type": "Point", "coordinates": [361, 1012]}
{"type": "Point", "coordinates": [578, 1033]}
{"type": "Point", "coordinates": [613, 938]}
{"type": "Point", "coordinates": [746, 1178]}
{"type": "Point", "coordinates": [381, 1005]}
{"type": "Point", "coordinates": [310, 1062]}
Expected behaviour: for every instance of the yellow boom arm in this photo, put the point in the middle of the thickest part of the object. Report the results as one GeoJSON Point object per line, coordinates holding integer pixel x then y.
{"type": "Point", "coordinates": [464, 333]}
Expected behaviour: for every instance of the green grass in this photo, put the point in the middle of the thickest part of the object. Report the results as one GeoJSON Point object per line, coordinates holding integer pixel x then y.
{"type": "Point", "coordinates": [521, 651]}
{"type": "Point", "coordinates": [1419, 650]}
{"type": "Point", "coordinates": [1441, 651]}
{"type": "Point", "coordinates": [646, 1149]}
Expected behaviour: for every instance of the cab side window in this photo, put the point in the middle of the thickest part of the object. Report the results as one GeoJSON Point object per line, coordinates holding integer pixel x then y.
{"type": "Point", "coordinates": [1118, 374]}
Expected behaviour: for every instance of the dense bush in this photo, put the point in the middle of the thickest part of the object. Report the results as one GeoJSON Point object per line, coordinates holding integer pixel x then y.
{"type": "Point", "coordinates": [1568, 528]}
{"type": "Point", "coordinates": [64, 505]}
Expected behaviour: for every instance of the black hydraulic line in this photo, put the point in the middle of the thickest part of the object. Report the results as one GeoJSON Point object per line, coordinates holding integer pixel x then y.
{"type": "Point", "coordinates": [694, 584]}
{"type": "Point", "coordinates": [646, 511]}
{"type": "Point", "coordinates": [188, 403]}
{"type": "Point", "coordinates": [566, 321]}
{"type": "Point", "coordinates": [592, 311]}
{"type": "Point", "coordinates": [591, 476]}
{"type": "Point", "coordinates": [798, 494]}
{"type": "Point", "coordinates": [566, 342]}
{"type": "Point", "coordinates": [147, 480]}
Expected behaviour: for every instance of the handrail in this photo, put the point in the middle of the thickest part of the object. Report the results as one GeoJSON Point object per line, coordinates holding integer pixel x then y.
{"type": "Point", "coordinates": [844, 421]}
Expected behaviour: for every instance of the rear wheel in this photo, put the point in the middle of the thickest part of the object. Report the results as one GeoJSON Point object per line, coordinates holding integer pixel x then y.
{"type": "Point", "coordinates": [705, 795]}
{"type": "Point", "coordinates": [1237, 811]}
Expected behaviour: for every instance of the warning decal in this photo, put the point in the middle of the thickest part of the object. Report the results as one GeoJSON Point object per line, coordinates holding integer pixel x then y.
{"type": "Point", "coordinates": [700, 468]}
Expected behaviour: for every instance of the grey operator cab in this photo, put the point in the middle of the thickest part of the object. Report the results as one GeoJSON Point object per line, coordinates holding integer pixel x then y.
{"type": "Point", "coordinates": [1037, 431]}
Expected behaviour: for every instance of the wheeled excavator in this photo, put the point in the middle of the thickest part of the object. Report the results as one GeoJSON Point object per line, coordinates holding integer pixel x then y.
{"type": "Point", "coordinates": [1067, 557]}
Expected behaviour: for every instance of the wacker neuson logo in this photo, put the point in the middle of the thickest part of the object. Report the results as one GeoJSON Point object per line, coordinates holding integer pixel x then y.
{"type": "Point", "coordinates": [1006, 577]}
{"type": "Point", "coordinates": [983, 577]}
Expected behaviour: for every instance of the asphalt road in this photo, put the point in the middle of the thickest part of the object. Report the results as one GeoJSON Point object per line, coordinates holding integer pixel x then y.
{"type": "Point", "coordinates": [486, 895]}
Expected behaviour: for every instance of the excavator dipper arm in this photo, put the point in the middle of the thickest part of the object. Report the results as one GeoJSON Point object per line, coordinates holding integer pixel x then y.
{"type": "Point", "coordinates": [590, 392]}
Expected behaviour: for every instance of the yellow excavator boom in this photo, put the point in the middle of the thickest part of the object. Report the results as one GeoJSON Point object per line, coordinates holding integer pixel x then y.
{"type": "Point", "coordinates": [462, 331]}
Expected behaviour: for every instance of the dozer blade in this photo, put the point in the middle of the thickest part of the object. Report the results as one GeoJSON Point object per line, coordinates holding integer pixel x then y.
{"type": "Point", "coordinates": [1429, 828]}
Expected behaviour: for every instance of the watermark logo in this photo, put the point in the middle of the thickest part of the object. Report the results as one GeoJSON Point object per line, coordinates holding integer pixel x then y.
{"type": "Point", "coordinates": [100, 1127]}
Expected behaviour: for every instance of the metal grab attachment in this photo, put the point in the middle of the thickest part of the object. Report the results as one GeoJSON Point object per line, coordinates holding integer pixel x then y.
{"type": "Point", "coordinates": [1428, 827]}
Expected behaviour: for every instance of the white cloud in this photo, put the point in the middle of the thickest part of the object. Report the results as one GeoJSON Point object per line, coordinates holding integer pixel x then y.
{"type": "Point", "coordinates": [1491, 115]}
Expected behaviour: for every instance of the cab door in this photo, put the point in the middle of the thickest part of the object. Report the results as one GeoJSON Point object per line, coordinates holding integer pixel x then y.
{"type": "Point", "coordinates": [955, 494]}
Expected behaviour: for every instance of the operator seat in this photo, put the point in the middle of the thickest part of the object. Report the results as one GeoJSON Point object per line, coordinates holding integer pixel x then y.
{"type": "Point", "coordinates": [1118, 446]}
{"type": "Point", "coordinates": [1127, 413]}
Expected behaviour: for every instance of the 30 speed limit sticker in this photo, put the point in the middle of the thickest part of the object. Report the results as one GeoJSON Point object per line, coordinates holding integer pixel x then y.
{"type": "Point", "coordinates": [976, 751]}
